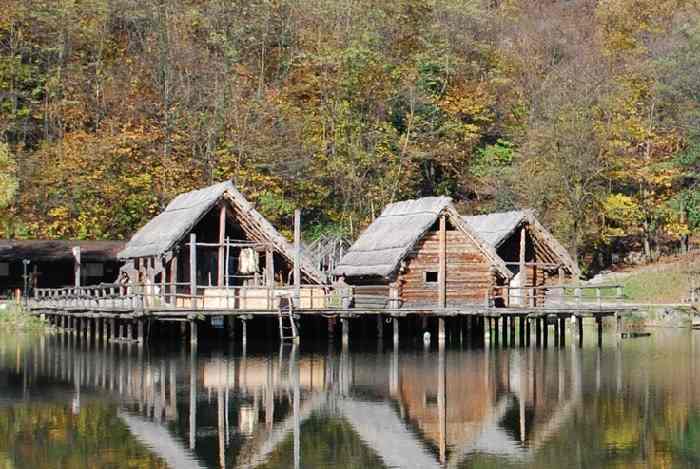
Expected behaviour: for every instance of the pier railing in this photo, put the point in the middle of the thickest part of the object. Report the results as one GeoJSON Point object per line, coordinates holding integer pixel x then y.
{"type": "Point", "coordinates": [152, 296]}
{"type": "Point", "coordinates": [557, 295]}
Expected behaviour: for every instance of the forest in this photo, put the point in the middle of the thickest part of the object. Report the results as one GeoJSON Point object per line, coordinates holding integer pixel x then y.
{"type": "Point", "coordinates": [587, 111]}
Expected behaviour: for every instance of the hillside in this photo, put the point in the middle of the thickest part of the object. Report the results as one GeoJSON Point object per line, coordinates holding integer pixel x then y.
{"type": "Point", "coordinates": [585, 110]}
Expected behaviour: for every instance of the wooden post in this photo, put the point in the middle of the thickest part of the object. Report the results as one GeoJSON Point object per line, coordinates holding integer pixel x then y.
{"type": "Point", "coordinates": [495, 338]}
{"type": "Point", "coordinates": [380, 327]}
{"type": "Point", "coordinates": [244, 333]}
{"type": "Point", "coordinates": [88, 327]}
{"type": "Point", "coordinates": [297, 257]}
{"type": "Point", "coordinates": [521, 267]}
{"type": "Point", "coordinates": [139, 331]}
{"type": "Point", "coordinates": [121, 329]}
{"type": "Point", "coordinates": [545, 332]}
{"type": "Point", "coordinates": [76, 265]}
{"type": "Point", "coordinates": [504, 331]}
{"type": "Point", "coordinates": [618, 325]}
{"type": "Point", "coordinates": [270, 268]}
{"type": "Point", "coordinates": [173, 281]}
{"type": "Point", "coordinates": [395, 322]}
{"type": "Point", "coordinates": [222, 239]}
{"type": "Point", "coordinates": [579, 326]}
{"type": "Point", "coordinates": [512, 331]}
{"type": "Point", "coordinates": [193, 269]}
{"type": "Point", "coordinates": [193, 333]}
{"type": "Point", "coordinates": [528, 323]}
{"type": "Point", "coordinates": [599, 322]}
{"type": "Point", "coordinates": [441, 331]}
{"type": "Point", "coordinates": [105, 335]}
{"type": "Point", "coordinates": [521, 333]}
{"type": "Point", "coordinates": [113, 328]}
{"type": "Point", "coordinates": [129, 330]}
{"type": "Point", "coordinates": [346, 331]}
{"type": "Point", "coordinates": [562, 331]}
{"type": "Point", "coordinates": [442, 268]}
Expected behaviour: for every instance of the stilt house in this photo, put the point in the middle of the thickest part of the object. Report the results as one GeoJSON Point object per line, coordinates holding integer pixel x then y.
{"type": "Point", "coordinates": [531, 253]}
{"type": "Point", "coordinates": [211, 249]}
{"type": "Point", "coordinates": [57, 263]}
{"type": "Point", "coordinates": [420, 253]}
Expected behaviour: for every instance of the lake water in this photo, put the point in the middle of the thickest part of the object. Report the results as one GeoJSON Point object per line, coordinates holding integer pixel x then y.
{"type": "Point", "coordinates": [71, 405]}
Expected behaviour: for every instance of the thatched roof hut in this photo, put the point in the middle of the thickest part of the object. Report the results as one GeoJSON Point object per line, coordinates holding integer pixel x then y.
{"type": "Point", "coordinates": [500, 228]}
{"type": "Point", "coordinates": [162, 235]}
{"type": "Point", "coordinates": [53, 263]}
{"type": "Point", "coordinates": [422, 252]}
{"type": "Point", "coordinates": [382, 247]}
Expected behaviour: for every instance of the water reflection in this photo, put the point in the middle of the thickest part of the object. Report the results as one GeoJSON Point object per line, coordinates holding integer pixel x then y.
{"type": "Point", "coordinates": [70, 404]}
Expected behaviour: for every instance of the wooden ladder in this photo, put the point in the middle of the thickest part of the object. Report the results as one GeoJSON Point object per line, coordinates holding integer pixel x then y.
{"type": "Point", "coordinates": [285, 311]}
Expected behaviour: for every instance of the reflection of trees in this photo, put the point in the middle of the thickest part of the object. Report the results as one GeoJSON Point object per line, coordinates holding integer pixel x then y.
{"type": "Point", "coordinates": [48, 435]}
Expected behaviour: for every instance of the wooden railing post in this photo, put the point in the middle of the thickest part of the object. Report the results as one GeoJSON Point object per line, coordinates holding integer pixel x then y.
{"type": "Point", "coordinates": [193, 270]}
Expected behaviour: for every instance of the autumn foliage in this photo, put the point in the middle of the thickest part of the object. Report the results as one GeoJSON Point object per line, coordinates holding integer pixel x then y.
{"type": "Point", "coordinates": [586, 110]}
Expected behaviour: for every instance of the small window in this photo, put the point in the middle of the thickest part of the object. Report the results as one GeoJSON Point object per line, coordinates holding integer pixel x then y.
{"type": "Point", "coordinates": [4, 269]}
{"type": "Point", "coordinates": [431, 277]}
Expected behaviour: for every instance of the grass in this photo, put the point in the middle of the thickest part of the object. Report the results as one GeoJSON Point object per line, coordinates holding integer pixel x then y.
{"type": "Point", "coordinates": [15, 318]}
{"type": "Point", "coordinates": [657, 287]}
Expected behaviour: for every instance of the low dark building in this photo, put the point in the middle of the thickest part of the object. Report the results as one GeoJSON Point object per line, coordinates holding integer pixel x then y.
{"type": "Point", "coordinates": [53, 264]}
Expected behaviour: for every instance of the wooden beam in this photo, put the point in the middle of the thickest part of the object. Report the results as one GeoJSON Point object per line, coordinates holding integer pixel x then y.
{"type": "Point", "coordinates": [297, 256]}
{"type": "Point", "coordinates": [222, 238]}
{"type": "Point", "coordinates": [270, 268]}
{"type": "Point", "coordinates": [193, 267]}
{"type": "Point", "coordinates": [442, 268]}
{"type": "Point", "coordinates": [76, 265]}
{"type": "Point", "coordinates": [173, 280]}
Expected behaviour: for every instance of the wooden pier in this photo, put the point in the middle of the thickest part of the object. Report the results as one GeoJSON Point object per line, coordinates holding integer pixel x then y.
{"type": "Point", "coordinates": [125, 314]}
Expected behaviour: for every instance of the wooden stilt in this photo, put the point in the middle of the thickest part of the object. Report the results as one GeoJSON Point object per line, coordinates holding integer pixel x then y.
{"type": "Point", "coordinates": [528, 323]}
{"type": "Point", "coordinates": [193, 333]}
{"type": "Point", "coordinates": [129, 330]}
{"type": "Point", "coordinates": [113, 328]}
{"type": "Point", "coordinates": [562, 331]}
{"type": "Point", "coordinates": [331, 328]}
{"type": "Point", "coordinates": [395, 322]}
{"type": "Point", "coordinates": [504, 330]}
{"type": "Point", "coordinates": [545, 331]}
{"type": "Point", "coordinates": [579, 327]}
{"type": "Point", "coordinates": [599, 323]}
{"type": "Point", "coordinates": [380, 327]}
{"type": "Point", "coordinates": [521, 332]}
{"type": "Point", "coordinates": [345, 324]}
{"type": "Point", "coordinates": [139, 331]}
{"type": "Point", "coordinates": [121, 330]}
{"type": "Point", "coordinates": [441, 331]}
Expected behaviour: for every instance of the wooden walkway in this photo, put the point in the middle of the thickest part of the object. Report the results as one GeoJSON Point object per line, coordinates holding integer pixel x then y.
{"type": "Point", "coordinates": [117, 311]}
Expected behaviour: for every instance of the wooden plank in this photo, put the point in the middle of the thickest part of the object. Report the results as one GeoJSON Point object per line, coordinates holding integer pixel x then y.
{"type": "Point", "coordinates": [297, 255]}
{"type": "Point", "coordinates": [222, 238]}
{"type": "Point", "coordinates": [442, 265]}
{"type": "Point", "coordinates": [193, 267]}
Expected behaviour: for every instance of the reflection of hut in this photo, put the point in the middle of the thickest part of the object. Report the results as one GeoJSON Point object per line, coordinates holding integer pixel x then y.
{"type": "Point", "coordinates": [53, 263]}
{"type": "Point", "coordinates": [234, 247]}
{"type": "Point", "coordinates": [530, 251]}
{"type": "Point", "coordinates": [421, 253]}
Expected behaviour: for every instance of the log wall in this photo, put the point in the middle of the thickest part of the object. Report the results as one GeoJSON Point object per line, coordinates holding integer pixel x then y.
{"type": "Point", "coordinates": [468, 274]}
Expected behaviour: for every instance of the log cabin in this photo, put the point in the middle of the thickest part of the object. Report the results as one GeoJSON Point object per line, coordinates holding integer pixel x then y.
{"type": "Point", "coordinates": [210, 248]}
{"type": "Point", "coordinates": [57, 263]}
{"type": "Point", "coordinates": [531, 253]}
{"type": "Point", "coordinates": [420, 253]}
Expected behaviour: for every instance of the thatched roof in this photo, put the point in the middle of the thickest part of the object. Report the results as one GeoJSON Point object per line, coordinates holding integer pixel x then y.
{"type": "Point", "coordinates": [165, 231]}
{"type": "Point", "coordinates": [384, 244]}
{"type": "Point", "coordinates": [496, 228]}
{"type": "Point", "coordinates": [58, 250]}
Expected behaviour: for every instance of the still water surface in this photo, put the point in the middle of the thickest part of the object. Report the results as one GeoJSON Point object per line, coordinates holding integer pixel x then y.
{"type": "Point", "coordinates": [71, 405]}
